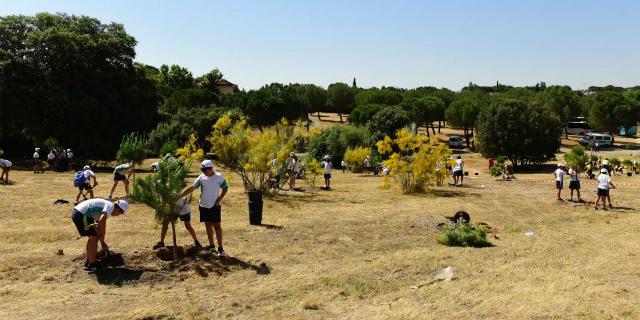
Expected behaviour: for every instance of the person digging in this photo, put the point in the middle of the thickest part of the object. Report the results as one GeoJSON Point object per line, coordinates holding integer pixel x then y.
{"type": "Point", "coordinates": [90, 218]}
{"type": "Point", "coordinates": [183, 208]}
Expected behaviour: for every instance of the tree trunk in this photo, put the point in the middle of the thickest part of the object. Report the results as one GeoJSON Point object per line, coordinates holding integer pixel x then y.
{"type": "Point", "coordinates": [466, 137]}
{"type": "Point", "coordinates": [175, 245]}
{"type": "Point", "coordinates": [426, 126]}
{"type": "Point", "coordinates": [340, 114]}
{"type": "Point", "coordinates": [319, 119]}
{"type": "Point", "coordinates": [566, 131]}
{"type": "Point", "coordinates": [433, 129]}
{"type": "Point", "coordinates": [439, 125]}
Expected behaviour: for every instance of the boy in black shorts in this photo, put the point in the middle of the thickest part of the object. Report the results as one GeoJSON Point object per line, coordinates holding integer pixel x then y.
{"type": "Point", "coordinates": [183, 207]}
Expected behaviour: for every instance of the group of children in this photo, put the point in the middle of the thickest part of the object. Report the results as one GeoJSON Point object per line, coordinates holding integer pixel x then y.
{"type": "Point", "coordinates": [90, 216]}
{"type": "Point", "coordinates": [604, 184]}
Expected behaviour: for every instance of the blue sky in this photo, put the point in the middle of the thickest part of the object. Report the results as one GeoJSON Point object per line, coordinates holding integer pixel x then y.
{"type": "Point", "coordinates": [381, 43]}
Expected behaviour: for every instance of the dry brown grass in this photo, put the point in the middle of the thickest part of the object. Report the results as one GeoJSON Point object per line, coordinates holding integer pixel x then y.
{"type": "Point", "coordinates": [351, 253]}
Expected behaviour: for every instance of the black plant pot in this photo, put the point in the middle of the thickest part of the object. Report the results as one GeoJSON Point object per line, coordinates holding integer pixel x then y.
{"type": "Point", "coordinates": [255, 207]}
{"type": "Point", "coordinates": [629, 174]}
{"type": "Point", "coordinates": [466, 173]}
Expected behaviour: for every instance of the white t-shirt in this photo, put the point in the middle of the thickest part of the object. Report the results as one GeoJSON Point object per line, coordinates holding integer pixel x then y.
{"type": "Point", "coordinates": [5, 163]}
{"type": "Point", "coordinates": [459, 165]}
{"type": "Point", "coordinates": [36, 155]}
{"type": "Point", "coordinates": [51, 156]}
{"type": "Point", "coordinates": [88, 174]}
{"type": "Point", "coordinates": [210, 188]}
{"type": "Point", "coordinates": [367, 163]}
{"type": "Point", "coordinates": [327, 166]}
{"type": "Point", "coordinates": [183, 206]}
{"type": "Point", "coordinates": [155, 165]}
{"type": "Point", "coordinates": [603, 181]}
{"type": "Point", "coordinates": [95, 207]}
{"type": "Point", "coordinates": [573, 175]}
{"type": "Point", "coordinates": [560, 174]}
{"type": "Point", "coordinates": [69, 154]}
{"type": "Point", "coordinates": [343, 164]}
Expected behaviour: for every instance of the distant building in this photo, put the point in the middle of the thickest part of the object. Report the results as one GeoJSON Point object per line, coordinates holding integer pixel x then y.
{"type": "Point", "coordinates": [226, 87]}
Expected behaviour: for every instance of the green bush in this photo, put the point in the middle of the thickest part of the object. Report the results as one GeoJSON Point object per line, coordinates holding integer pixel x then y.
{"type": "Point", "coordinates": [462, 235]}
{"type": "Point", "coordinates": [169, 147]}
{"type": "Point", "coordinates": [576, 158]}
{"type": "Point", "coordinates": [133, 148]}
{"type": "Point", "coordinates": [335, 141]}
{"type": "Point", "coordinates": [496, 171]}
{"type": "Point", "coordinates": [615, 162]}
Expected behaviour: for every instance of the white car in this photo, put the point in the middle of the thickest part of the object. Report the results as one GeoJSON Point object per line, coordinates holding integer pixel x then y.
{"type": "Point", "coordinates": [455, 142]}
{"type": "Point", "coordinates": [603, 139]}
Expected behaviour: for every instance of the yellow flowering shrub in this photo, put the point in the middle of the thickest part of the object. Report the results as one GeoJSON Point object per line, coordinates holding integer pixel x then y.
{"type": "Point", "coordinates": [415, 162]}
{"type": "Point", "coordinates": [315, 169]}
{"type": "Point", "coordinates": [190, 150]}
{"type": "Point", "coordinates": [250, 153]}
{"type": "Point", "coordinates": [354, 158]}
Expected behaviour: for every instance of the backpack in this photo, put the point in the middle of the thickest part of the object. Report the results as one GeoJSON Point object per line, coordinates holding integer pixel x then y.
{"type": "Point", "coordinates": [79, 179]}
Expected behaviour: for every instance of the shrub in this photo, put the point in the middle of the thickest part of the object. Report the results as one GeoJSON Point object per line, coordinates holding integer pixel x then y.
{"type": "Point", "coordinates": [190, 150]}
{"type": "Point", "coordinates": [133, 148]}
{"type": "Point", "coordinates": [249, 153]}
{"type": "Point", "coordinates": [335, 141]}
{"type": "Point", "coordinates": [627, 163]}
{"type": "Point", "coordinates": [51, 143]}
{"type": "Point", "coordinates": [355, 158]}
{"type": "Point", "coordinates": [169, 147]}
{"type": "Point", "coordinates": [615, 162]}
{"type": "Point", "coordinates": [463, 235]}
{"type": "Point", "coordinates": [315, 169]}
{"type": "Point", "coordinates": [576, 158]}
{"type": "Point", "coordinates": [413, 160]}
{"type": "Point", "coordinates": [388, 120]}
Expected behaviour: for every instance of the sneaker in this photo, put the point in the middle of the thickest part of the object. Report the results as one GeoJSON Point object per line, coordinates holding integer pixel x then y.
{"type": "Point", "coordinates": [221, 253]}
{"type": "Point", "coordinates": [109, 198]}
{"type": "Point", "coordinates": [610, 206]}
{"type": "Point", "coordinates": [210, 249]}
{"type": "Point", "coordinates": [158, 245]}
{"type": "Point", "coordinates": [93, 267]}
{"type": "Point", "coordinates": [197, 244]}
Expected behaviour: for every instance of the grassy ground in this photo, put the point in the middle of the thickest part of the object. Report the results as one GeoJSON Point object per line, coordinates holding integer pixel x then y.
{"type": "Point", "coordinates": [351, 253]}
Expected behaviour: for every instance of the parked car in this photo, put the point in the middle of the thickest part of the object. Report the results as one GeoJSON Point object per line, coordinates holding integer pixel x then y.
{"type": "Point", "coordinates": [455, 142]}
{"type": "Point", "coordinates": [603, 139]}
{"type": "Point", "coordinates": [578, 127]}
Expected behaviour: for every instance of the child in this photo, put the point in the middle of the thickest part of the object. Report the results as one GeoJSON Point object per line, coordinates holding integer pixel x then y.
{"type": "Point", "coordinates": [458, 171]}
{"type": "Point", "coordinates": [344, 166]}
{"type": "Point", "coordinates": [559, 174]}
{"type": "Point", "coordinates": [574, 183]}
{"type": "Point", "coordinates": [183, 208]}
{"type": "Point", "coordinates": [36, 161]}
{"type": "Point", "coordinates": [119, 175]}
{"type": "Point", "coordinates": [210, 183]}
{"type": "Point", "coordinates": [604, 181]}
{"type": "Point", "coordinates": [88, 174]}
{"type": "Point", "coordinates": [51, 160]}
{"type": "Point", "coordinates": [90, 218]}
{"type": "Point", "coordinates": [6, 167]}
{"type": "Point", "coordinates": [367, 165]}
{"type": "Point", "coordinates": [327, 165]}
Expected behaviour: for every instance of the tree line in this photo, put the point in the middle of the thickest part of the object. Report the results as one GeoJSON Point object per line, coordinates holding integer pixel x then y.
{"type": "Point", "coordinates": [74, 78]}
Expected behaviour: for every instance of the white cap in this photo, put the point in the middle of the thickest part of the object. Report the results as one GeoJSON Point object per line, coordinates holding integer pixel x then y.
{"type": "Point", "coordinates": [327, 157]}
{"type": "Point", "coordinates": [87, 167]}
{"type": "Point", "coordinates": [206, 164]}
{"type": "Point", "coordinates": [603, 170]}
{"type": "Point", "coordinates": [559, 164]}
{"type": "Point", "coordinates": [122, 204]}
{"type": "Point", "coordinates": [37, 149]}
{"type": "Point", "coordinates": [168, 155]}
{"type": "Point", "coordinates": [291, 154]}
{"type": "Point", "coordinates": [68, 150]}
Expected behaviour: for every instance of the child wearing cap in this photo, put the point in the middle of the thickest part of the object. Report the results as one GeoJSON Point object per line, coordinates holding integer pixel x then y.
{"type": "Point", "coordinates": [604, 182]}
{"type": "Point", "coordinates": [327, 165]}
{"type": "Point", "coordinates": [90, 218]}
{"type": "Point", "coordinates": [36, 160]}
{"type": "Point", "coordinates": [88, 175]}
{"type": "Point", "coordinates": [119, 175]}
{"type": "Point", "coordinates": [574, 183]}
{"type": "Point", "coordinates": [213, 188]}
{"type": "Point", "coordinates": [6, 167]}
{"type": "Point", "coordinates": [559, 174]}
{"type": "Point", "coordinates": [183, 208]}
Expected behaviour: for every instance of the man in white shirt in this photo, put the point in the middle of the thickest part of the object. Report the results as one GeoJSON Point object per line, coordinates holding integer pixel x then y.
{"type": "Point", "coordinates": [90, 218]}
{"type": "Point", "coordinates": [327, 166]}
{"type": "Point", "coordinates": [574, 183]}
{"type": "Point", "coordinates": [559, 174]}
{"type": "Point", "coordinates": [51, 160]}
{"type": "Point", "coordinates": [6, 167]}
{"type": "Point", "coordinates": [213, 188]}
{"type": "Point", "coordinates": [88, 174]}
{"type": "Point", "coordinates": [604, 182]}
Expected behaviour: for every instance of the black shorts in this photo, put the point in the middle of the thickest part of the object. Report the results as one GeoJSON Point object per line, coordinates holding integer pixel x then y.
{"type": "Point", "coordinates": [86, 186]}
{"type": "Point", "coordinates": [82, 224]}
{"type": "Point", "coordinates": [559, 184]}
{"type": "Point", "coordinates": [574, 185]}
{"type": "Point", "coordinates": [119, 177]}
{"type": "Point", "coordinates": [185, 217]}
{"type": "Point", "coordinates": [457, 173]}
{"type": "Point", "coordinates": [211, 214]}
{"type": "Point", "coordinates": [327, 175]}
{"type": "Point", "coordinates": [603, 192]}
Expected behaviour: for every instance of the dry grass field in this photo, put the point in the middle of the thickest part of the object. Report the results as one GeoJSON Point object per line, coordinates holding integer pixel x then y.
{"type": "Point", "coordinates": [356, 252]}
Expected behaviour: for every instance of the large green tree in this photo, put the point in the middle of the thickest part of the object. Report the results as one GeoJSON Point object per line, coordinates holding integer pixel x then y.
{"type": "Point", "coordinates": [72, 77]}
{"type": "Point", "coordinates": [340, 98]}
{"type": "Point", "coordinates": [463, 113]}
{"type": "Point", "coordinates": [561, 101]}
{"type": "Point", "coordinates": [609, 110]}
{"type": "Point", "coordinates": [523, 133]}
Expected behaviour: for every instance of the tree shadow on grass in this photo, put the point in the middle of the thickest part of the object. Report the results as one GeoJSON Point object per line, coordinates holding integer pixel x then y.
{"type": "Point", "coordinates": [443, 193]}
{"type": "Point", "coordinates": [269, 226]}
